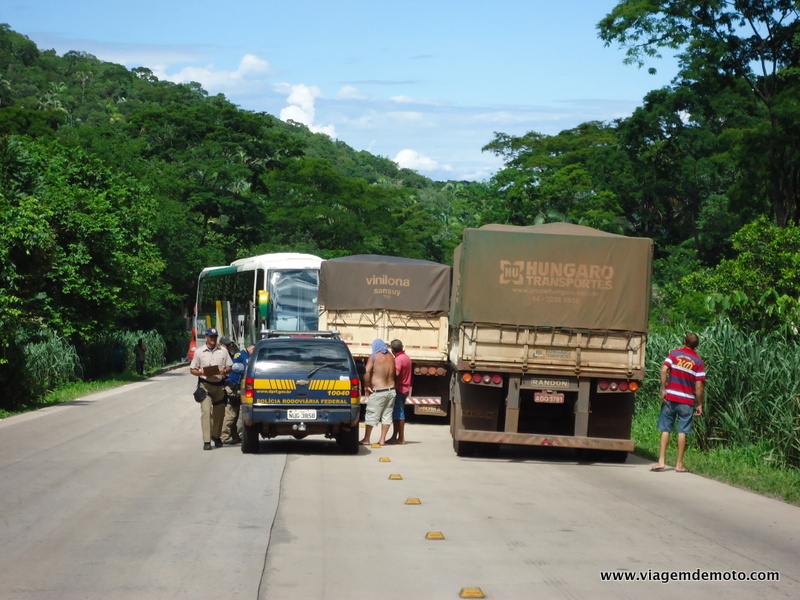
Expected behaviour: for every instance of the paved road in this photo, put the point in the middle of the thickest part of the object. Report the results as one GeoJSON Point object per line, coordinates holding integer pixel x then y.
{"type": "Point", "coordinates": [112, 497]}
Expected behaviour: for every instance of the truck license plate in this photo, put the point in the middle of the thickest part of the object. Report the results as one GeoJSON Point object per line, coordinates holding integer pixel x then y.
{"type": "Point", "coordinates": [547, 398]}
{"type": "Point", "coordinates": [301, 414]}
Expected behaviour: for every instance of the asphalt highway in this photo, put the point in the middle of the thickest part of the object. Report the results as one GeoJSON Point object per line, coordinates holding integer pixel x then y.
{"type": "Point", "coordinates": [112, 497]}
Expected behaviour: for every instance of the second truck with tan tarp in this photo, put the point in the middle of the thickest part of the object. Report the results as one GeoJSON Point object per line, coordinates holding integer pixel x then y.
{"type": "Point", "coordinates": [368, 297]}
{"type": "Point", "coordinates": [548, 335]}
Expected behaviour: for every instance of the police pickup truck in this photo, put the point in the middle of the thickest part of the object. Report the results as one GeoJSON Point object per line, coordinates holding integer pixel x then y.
{"type": "Point", "coordinates": [299, 384]}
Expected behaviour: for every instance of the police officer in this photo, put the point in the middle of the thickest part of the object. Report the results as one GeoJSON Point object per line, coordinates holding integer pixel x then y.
{"type": "Point", "coordinates": [211, 364]}
{"type": "Point", "coordinates": [230, 426]}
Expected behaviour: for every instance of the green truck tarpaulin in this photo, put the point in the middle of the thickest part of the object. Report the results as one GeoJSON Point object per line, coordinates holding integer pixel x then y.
{"type": "Point", "coordinates": [554, 275]}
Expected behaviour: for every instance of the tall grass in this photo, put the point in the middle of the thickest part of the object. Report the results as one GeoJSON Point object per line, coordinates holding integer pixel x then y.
{"type": "Point", "coordinates": [49, 362]}
{"type": "Point", "coordinates": [113, 353]}
{"type": "Point", "coordinates": [46, 361]}
{"type": "Point", "coordinates": [752, 389]}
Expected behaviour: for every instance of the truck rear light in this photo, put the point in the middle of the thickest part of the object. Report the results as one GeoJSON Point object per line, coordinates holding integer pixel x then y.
{"type": "Point", "coordinates": [248, 393]}
{"type": "Point", "coordinates": [487, 379]}
{"type": "Point", "coordinates": [248, 383]}
{"type": "Point", "coordinates": [617, 386]}
{"type": "Point", "coordinates": [355, 387]}
{"type": "Point", "coordinates": [423, 370]}
{"type": "Point", "coordinates": [441, 371]}
{"type": "Point", "coordinates": [497, 379]}
{"type": "Point", "coordinates": [466, 377]}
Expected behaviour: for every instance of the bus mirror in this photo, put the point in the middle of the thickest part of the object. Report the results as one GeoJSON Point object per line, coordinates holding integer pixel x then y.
{"type": "Point", "coordinates": [263, 304]}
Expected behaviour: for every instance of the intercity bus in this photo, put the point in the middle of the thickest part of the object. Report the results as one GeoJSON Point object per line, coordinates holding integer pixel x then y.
{"type": "Point", "coordinates": [258, 294]}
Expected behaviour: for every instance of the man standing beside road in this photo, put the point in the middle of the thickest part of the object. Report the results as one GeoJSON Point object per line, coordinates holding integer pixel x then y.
{"type": "Point", "coordinates": [379, 389]}
{"type": "Point", "coordinates": [230, 426]}
{"type": "Point", "coordinates": [683, 378]}
{"type": "Point", "coordinates": [140, 351]}
{"type": "Point", "coordinates": [402, 371]}
{"type": "Point", "coordinates": [211, 364]}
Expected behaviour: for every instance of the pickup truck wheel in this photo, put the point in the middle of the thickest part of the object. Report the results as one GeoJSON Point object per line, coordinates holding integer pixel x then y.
{"type": "Point", "coordinates": [250, 440]}
{"type": "Point", "coordinates": [463, 448]}
{"type": "Point", "coordinates": [348, 440]}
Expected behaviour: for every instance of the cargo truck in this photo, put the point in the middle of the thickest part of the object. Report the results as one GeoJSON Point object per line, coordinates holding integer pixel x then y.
{"type": "Point", "coordinates": [368, 297]}
{"type": "Point", "coordinates": [548, 335]}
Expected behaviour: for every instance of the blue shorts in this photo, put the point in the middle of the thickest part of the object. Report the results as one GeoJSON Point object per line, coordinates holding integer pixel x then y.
{"type": "Point", "coordinates": [669, 411]}
{"type": "Point", "coordinates": [399, 412]}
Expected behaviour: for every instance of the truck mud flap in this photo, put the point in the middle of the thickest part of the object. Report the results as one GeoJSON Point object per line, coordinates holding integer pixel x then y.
{"type": "Point", "coordinates": [434, 410]}
{"type": "Point", "coordinates": [526, 439]}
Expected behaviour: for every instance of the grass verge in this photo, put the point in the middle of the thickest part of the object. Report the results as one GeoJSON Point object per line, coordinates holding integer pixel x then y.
{"type": "Point", "coordinates": [71, 391]}
{"type": "Point", "coordinates": [751, 467]}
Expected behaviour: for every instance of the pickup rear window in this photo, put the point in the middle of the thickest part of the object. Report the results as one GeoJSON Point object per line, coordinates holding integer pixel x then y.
{"type": "Point", "coordinates": [302, 356]}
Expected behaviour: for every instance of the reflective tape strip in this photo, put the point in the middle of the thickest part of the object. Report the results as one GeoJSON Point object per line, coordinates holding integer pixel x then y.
{"type": "Point", "coordinates": [329, 384]}
{"type": "Point", "coordinates": [418, 400]}
{"type": "Point", "coordinates": [274, 384]}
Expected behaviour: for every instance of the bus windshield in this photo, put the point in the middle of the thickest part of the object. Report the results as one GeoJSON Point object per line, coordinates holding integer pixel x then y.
{"type": "Point", "coordinates": [293, 300]}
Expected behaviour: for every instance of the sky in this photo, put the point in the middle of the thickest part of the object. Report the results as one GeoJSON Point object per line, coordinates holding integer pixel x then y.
{"type": "Point", "coordinates": [424, 83]}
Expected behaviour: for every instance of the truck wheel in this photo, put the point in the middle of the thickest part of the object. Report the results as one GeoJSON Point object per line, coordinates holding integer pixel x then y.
{"type": "Point", "coordinates": [615, 456]}
{"type": "Point", "coordinates": [250, 440]}
{"type": "Point", "coordinates": [487, 450]}
{"type": "Point", "coordinates": [600, 456]}
{"type": "Point", "coordinates": [463, 448]}
{"type": "Point", "coordinates": [348, 440]}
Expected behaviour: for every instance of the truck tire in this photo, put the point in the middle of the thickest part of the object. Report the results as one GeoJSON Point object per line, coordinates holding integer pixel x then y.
{"type": "Point", "coordinates": [615, 456]}
{"type": "Point", "coordinates": [463, 448]}
{"type": "Point", "coordinates": [250, 439]}
{"type": "Point", "coordinates": [348, 440]}
{"type": "Point", "coordinates": [487, 450]}
{"type": "Point", "coordinates": [602, 456]}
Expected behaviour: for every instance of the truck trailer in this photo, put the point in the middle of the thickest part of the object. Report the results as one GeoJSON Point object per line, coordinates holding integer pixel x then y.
{"type": "Point", "coordinates": [367, 297]}
{"type": "Point", "coordinates": [548, 328]}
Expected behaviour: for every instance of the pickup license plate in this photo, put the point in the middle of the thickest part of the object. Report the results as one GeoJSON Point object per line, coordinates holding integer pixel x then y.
{"type": "Point", "coordinates": [546, 398]}
{"type": "Point", "coordinates": [301, 414]}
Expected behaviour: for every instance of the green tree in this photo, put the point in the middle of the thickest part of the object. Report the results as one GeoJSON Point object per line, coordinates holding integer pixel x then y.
{"type": "Point", "coordinates": [744, 45]}
{"type": "Point", "coordinates": [570, 176]}
{"type": "Point", "coordinates": [757, 288]}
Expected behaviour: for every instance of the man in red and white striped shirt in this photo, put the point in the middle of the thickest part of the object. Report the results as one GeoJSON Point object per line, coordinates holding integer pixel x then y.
{"type": "Point", "coordinates": [683, 378]}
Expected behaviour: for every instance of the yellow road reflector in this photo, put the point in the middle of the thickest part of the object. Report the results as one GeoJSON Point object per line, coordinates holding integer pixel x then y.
{"type": "Point", "coordinates": [413, 501]}
{"type": "Point", "coordinates": [434, 535]}
{"type": "Point", "coordinates": [376, 446]}
{"type": "Point", "coordinates": [471, 592]}
{"type": "Point", "coordinates": [384, 459]}
{"type": "Point", "coordinates": [395, 476]}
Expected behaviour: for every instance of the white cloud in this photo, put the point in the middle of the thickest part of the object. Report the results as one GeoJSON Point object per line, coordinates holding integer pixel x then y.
{"type": "Point", "coordinates": [301, 108]}
{"type": "Point", "coordinates": [350, 92]}
{"type": "Point", "coordinates": [402, 99]}
{"type": "Point", "coordinates": [250, 70]}
{"type": "Point", "coordinates": [411, 159]}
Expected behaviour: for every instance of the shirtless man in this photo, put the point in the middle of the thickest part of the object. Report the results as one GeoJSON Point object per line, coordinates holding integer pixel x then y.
{"type": "Point", "coordinates": [379, 389]}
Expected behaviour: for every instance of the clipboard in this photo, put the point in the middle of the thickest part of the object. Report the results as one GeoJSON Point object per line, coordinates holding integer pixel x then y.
{"type": "Point", "coordinates": [211, 371]}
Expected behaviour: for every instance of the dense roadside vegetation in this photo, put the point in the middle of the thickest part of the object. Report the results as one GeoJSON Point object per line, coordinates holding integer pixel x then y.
{"type": "Point", "coordinates": [116, 188]}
